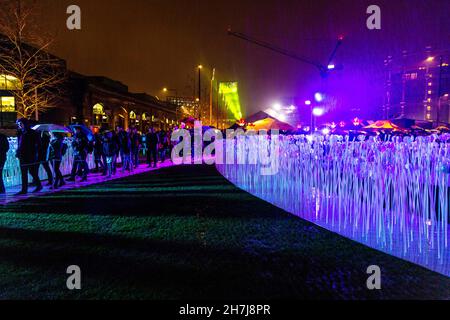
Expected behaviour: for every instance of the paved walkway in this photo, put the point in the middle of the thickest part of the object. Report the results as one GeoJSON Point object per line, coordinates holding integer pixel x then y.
{"type": "Point", "coordinates": [93, 178]}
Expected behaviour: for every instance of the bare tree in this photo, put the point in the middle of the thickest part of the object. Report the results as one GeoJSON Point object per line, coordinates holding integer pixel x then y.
{"type": "Point", "coordinates": [37, 75]}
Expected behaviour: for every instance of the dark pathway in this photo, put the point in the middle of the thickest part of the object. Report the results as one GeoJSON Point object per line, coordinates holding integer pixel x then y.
{"type": "Point", "coordinates": [186, 233]}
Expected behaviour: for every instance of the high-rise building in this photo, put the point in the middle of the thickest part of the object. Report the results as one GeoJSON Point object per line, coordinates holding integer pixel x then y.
{"type": "Point", "coordinates": [419, 92]}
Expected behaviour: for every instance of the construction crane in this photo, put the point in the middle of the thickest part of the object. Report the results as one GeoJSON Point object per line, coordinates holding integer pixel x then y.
{"type": "Point", "coordinates": [323, 69]}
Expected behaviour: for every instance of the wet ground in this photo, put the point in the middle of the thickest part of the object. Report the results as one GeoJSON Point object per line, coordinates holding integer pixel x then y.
{"type": "Point", "coordinates": [187, 233]}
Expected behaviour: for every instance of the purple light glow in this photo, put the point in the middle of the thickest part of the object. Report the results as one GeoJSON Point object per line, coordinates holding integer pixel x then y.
{"type": "Point", "coordinates": [410, 227]}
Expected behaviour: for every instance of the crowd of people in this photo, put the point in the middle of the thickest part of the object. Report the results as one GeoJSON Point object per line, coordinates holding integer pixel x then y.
{"type": "Point", "coordinates": [47, 149]}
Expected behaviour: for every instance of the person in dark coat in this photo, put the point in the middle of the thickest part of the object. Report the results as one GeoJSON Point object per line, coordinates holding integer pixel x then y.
{"type": "Point", "coordinates": [115, 138]}
{"type": "Point", "coordinates": [54, 157]}
{"type": "Point", "coordinates": [125, 150]}
{"type": "Point", "coordinates": [135, 147]}
{"type": "Point", "coordinates": [79, 146]}
{"type": "Point", "coordinates": [152, 140]}
{"type": "Point", "coordinates": [98, 153]}
{"type": "Point", "coordinates": [4, 148]}
{"type": "Point", "coordinates": [109, 151]}
{"type": "Point", "coordinates": [28, 148]}
{"type": "Point", "coordinates": [45, 142]}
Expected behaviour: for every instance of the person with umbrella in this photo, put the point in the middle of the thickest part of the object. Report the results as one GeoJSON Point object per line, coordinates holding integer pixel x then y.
{"type": "Point", "coordinates": [45, 142]}
{"type": "Point", "coordinates": [4, 148]}
{"type": "Point", "coordinates": [28, 147]}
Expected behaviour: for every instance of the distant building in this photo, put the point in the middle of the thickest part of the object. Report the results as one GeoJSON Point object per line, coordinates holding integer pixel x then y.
{"type": "Point", "coordinates": [8, 115]}
{"type": "Point", "coordinates": [413, 92]}
{"type": "Point", "coordinates": [97, 102]}
{"type": "Point", "coordinates": [185, 106]}
{"type": "Point", "coordinates": [100, 102]}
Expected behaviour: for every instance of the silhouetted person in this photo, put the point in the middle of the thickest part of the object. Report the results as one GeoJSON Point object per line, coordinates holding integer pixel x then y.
{"type": "Point", "coordinates": [152, 140]}
{"type": "Point", "coordinates": [125, 150]}
{"type": "Point", "coordinates": [79, 146]}
{"type": "Point", "coordinates": [109, 152]}
{"type": "Point", "coordinates": [98, 153]}
{"type": "Point", "coordinates": [55, 152]}
{"type": "Point", "coordinates": [4, 148]}
{"type": "Point", "coordinates": [28, 148]}
{"type": "Point", "coordinates": [45, 141]}
{"type": "Point", "coordinates": [135, 147]}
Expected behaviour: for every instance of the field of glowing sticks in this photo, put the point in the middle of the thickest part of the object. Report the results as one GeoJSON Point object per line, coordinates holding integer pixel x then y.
{"type": "Point", "coordinates": [390, 195]}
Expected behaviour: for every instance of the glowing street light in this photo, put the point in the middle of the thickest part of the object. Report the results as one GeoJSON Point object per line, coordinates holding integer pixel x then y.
{"type": "Point", "coordinates": [307, 102]}
{"type": "Point", "coordinates": [318, 97]}
{"type": "Point", "coordinates": [430, 59]}
{"type": "Point", "coordinates": [331, 67]}
{"type": "Point", "coordinates": [318, 112]}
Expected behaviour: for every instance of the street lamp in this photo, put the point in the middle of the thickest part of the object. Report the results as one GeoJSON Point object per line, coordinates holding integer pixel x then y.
{"type": "Point", "coordinates": [316, 112]}
{"type": "Point", "coordinates": [318, 97]}
{"type": "Point", "coordinates": [200, 67]}
{"type": "Point", "coordinates": [308, 103]}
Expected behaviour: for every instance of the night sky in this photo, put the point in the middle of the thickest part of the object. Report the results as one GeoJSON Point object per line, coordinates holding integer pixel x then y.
{"type": "Point", "coordinates": [149, 44]}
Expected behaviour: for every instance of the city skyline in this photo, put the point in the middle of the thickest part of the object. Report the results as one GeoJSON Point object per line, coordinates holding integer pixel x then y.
{"type": "Point", "coordinates": [156, 44]}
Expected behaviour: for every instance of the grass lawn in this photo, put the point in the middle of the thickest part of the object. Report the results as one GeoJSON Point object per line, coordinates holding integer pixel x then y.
{"type": "Point", "coordinates": [187, 233]}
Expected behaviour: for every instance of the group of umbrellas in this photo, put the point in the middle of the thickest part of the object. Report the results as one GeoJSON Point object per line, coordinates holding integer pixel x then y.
{"type": "Point", "coordinates": [69, 130]}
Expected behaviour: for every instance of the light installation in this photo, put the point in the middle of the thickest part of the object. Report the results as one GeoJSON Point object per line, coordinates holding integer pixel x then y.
{"type": "Point", "coordinates": [11, 171]}
{"type": "Point", "coordinates": [230, 95]}
{"type": "Point", "coordinates": [389, 195]}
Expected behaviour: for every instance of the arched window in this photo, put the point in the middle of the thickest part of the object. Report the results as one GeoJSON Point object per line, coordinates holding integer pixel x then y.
{"type": "Point", "coordinates": [133, 115]}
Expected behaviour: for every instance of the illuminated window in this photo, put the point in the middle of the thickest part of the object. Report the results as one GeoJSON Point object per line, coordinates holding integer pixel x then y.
{"type": "Point", "coordinates": [132, 115]}
{"type": "Point", "coordinates": [429, 92]}
{"type": "Point", "coordinates": [429, 108]}
{"type": "Point", "coordinates": [8, 82]}
{"type": "Point", "coordinates": [8, 104]}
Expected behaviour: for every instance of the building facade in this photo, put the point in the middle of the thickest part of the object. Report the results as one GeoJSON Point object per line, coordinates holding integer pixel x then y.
{"type": "Point", "coordinates": [102, 103]}
{"type": "Point", "coordinates": [97, 102]}
{"type": "Point", "coordinates": [419, 92]}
